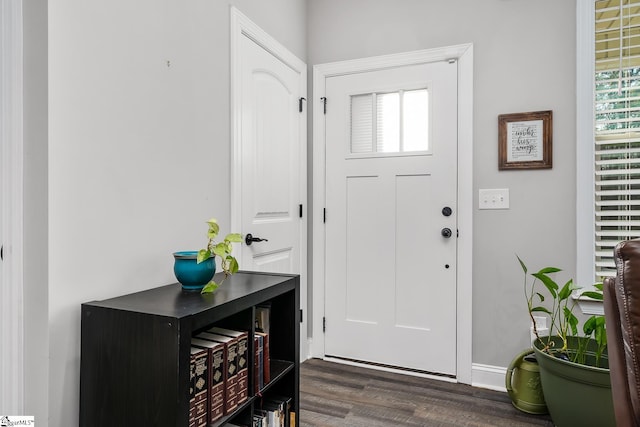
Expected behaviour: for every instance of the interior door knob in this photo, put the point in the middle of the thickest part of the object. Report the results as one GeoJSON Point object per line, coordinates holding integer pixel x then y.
{"type": "Point", "coordinates": [446, 232]}
{"type": "Point", "coordinates": [249, 239]}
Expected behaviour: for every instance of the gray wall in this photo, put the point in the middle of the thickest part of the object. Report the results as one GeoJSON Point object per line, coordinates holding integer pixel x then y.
{"type": "Point", "coordinates": [139, 150]}
{"type": "Point", "coordinates": [135, 154]}
{"type": "Point", "coordinates": [524, 60]}
{"type": "Point", "coordinates": [36, 292]}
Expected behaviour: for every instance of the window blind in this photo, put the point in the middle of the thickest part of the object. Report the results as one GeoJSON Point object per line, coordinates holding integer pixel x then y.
{"type": "Point", "coordinates": [617, 128]}
{"type": "Point", "coordinates": [390, 122]}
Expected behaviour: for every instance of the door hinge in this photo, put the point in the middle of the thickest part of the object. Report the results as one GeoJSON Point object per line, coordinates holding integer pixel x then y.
{"type": "Point", "coordinates": [300, 104]}
{"type": "Point", "coordinates": [324, 102]}
{"type": "Point", "coordinates": [324, 214]}
{"type": "Point", "coordinates": [324, 324]}
{"type": "Point", "coordinates": [301, 315]}
{"type": "Point", "coordinates": [300, 211]}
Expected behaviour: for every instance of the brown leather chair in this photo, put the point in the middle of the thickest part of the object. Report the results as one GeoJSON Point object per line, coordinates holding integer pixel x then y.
{"type": "Point", "coordinates": [622, 314]}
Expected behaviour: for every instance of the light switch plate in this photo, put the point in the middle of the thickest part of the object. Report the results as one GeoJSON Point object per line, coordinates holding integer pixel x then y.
{"type": "Point", "coordinates": [494, 198]}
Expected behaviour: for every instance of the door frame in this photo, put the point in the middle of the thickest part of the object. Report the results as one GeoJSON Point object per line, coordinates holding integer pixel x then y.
{"type": "Point", "coordinates": [11, 218]}
{"type": "Point", "coordinates": [463, 54]}
{"type": "Point", "coordinates": [242, 26]}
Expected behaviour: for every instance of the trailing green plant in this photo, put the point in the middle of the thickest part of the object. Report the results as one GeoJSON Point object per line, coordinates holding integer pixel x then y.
{"type": "Point", "coordinates": [228, 262]}
{"type": "Point", "coordinates": [562, 322]}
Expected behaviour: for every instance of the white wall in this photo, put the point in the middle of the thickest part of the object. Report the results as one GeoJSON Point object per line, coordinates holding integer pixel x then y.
{"type": "Point", "coordinates": [524, 54]}
{"type": "Point", "coordinates": [139, 150]}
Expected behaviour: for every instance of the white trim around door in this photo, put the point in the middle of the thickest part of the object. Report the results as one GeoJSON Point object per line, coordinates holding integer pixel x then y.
{"type": "Point", "coordinates": [242, 26]}
{"type": "Point", "coordinates": [463, 54]}
{"type": "Point", "coordinates": [11, 217]}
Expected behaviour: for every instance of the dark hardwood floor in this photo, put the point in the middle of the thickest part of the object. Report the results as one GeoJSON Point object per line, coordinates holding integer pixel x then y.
{"type": "Point", "coordinates": [333, 394]}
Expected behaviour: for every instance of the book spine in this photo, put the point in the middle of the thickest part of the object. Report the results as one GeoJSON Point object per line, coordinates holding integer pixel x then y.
{"type": "Point", "coordinates": [243, 368]}
{"type": "Point", "coordinates": [217, 381]}
{"type": "Point", "coordinates": [266, 357]}
{"type": "Point", "coordinates": [192, 390]}
{"type": "Point", "coordinates": [198, 403]}
{"type": "Point", "coordinates": [260, 362]}
{"type": "Point", "coordinates": [201, 421]}
{"type": "Point", "coordinates": [256, 358]}
{"type": "Point", "coordinates": [232, 376]}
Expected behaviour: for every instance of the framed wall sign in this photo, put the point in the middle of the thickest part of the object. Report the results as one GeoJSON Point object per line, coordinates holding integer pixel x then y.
{"type": "Point", "coordinates": [525, 140]}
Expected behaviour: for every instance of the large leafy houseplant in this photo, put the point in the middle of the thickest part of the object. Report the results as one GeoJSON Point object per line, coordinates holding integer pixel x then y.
{"type": "Point", "coordinates": [562, 321]}
{"type": "Point", "coordinates": [222, 249]}
{"type": "Point", "coordinates": [573, 369]}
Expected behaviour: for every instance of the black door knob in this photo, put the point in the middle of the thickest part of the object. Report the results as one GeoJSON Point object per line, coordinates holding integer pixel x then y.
{"type": "Point", "coordinates": [446, 211]}
{"type": "Point", "coordinates": [446, 232]}
{"type": "Point", "coordinates": [249, 239]}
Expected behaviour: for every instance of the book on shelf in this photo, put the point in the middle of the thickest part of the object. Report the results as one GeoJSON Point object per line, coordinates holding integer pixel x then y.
{"type": "Point", "coordinates": [200, 422]}
{"type": "Point", "coordinates": [216, 363]}
{"type": "Point", "coordinates": [198, 386]}
{"type": "Point", "coordinates": [290, 416]}
{"type": "Point", "coordinates": [263, 317]}
{"type": "Point", "coordinates": [258, 363]}
{"type": "Point", "coordinates": [242, 338]}
{"type": "Point", "coordinates": [259, 418]}
{"type": "Point", "coordinates": [266, 357]}
{"type": "Point", "coordinates": [279, 410]}
{"type": "Point", "coordinates": [231, 368]}
{"type": "Point", "coordinates": [275, 413]}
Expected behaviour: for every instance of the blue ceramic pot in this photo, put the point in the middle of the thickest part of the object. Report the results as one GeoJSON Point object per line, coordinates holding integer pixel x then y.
{"type": "Point", "coordinates": [190, 274]}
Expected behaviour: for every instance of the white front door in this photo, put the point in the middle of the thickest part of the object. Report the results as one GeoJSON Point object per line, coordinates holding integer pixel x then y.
{"type": "Point", "coordinates": [271, 162]}
{"type": "Point", "coordinates": [391, 217]}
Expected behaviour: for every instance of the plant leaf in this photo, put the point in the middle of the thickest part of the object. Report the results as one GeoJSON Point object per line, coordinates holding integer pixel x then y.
{"type": "Point", "coordinates": [592, 294]}
{"type": "Point", "coordinates": [601, 331]}
{"type": "Point", "coordinates": [542, 309]}
{"type": "Point", "coordinates": [214, 228]}
{"type": "Point", "coordinates": [599, 286]}
{"type": "Point", "coordinates": [589, 326]}
{"type": "Point", "coordinates": [524, 267]}
{"type": "Point", "coordinates": [566, 290]}
{"type": "Point", "coordinates": [234, 237]}
{"type": "Point", "coordinates": [572, 320]}
{"type": "Point", "coordinates": [540, 296]}
{"type": "Point", "coordinates": [209, 288]}
{"type": "Point", "coordinates": [233, 265]}
{"type": "Point", "coordinates": [549, 270]}
{"type": "Point", "coordinates": [203, 255]}
{"type": "Point", "coordinates": [548, 283]}
{"type": "Point", "coordinates": [221, 250]}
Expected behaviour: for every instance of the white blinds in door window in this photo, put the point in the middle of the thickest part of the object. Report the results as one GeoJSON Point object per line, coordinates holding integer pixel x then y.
{"type": "Point", "coordinates": [392, 122]}
{"type": "Point", "coordinates": [617, 128]}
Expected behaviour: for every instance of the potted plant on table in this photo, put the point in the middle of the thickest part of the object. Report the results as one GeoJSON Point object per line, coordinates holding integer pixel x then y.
{"type": "Point", "coordinates": [574, 368]}
{"type": "Point", "coordinates": [195, 269]}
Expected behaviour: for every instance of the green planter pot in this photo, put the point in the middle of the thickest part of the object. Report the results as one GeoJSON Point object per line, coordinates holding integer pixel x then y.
{"type": "Point", "coordinates": [575, 394]}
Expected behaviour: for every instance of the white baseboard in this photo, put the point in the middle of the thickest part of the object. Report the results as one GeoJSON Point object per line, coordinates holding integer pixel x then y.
{"type": "Point", "coordinates": [487, 376]}
{"type": "Point", "coordinates": [482, 376]}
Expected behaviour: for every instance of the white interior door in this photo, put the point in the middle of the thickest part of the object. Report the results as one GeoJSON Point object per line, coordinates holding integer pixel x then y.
{"type": "Point", "coordinates": [271, 163]}
{"type": "Point", "coordinates": [269, 182]}
{"type": "Point", "coordinates": [11, 210]}
{"type": "Point", "coordinates": [391, 191]}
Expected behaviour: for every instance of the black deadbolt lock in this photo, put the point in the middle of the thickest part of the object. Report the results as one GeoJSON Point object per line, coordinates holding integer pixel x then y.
{"type": "Point", "coordinates": [446, 211]}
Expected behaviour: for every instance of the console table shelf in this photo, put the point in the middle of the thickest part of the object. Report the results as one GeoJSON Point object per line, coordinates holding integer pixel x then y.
{"type": "Point", "coordinates": [135, 349]}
